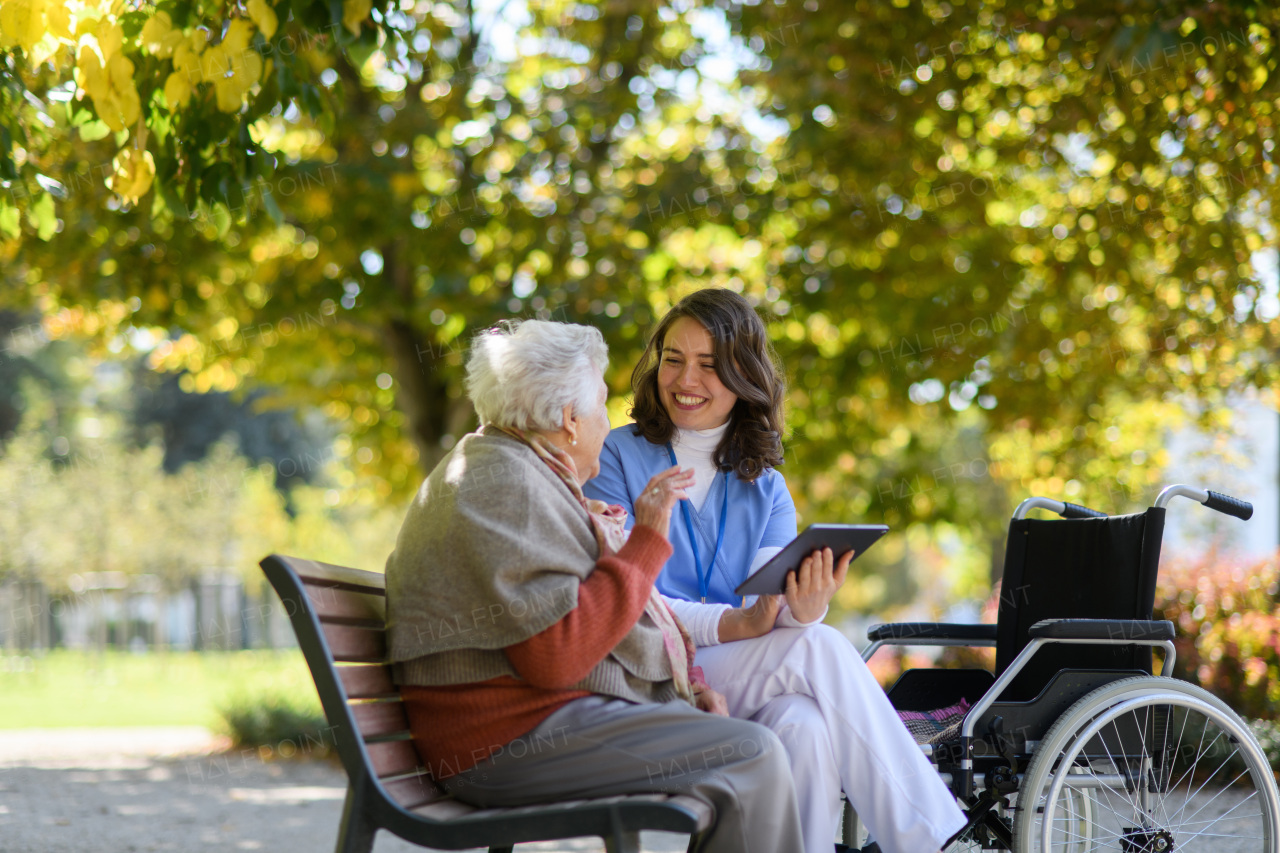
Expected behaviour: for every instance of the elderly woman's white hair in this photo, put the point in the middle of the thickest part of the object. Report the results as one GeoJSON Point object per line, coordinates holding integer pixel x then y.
{"type": "Point", "coordinates": [522, 373]}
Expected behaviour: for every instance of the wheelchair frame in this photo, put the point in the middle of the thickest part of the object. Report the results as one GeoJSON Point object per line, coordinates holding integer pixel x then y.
{"type": "Point", "coordinates": [1108, 726]}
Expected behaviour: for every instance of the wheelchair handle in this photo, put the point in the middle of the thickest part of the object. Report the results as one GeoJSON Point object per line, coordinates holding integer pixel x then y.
{"type": "Point", "coordinates": [1242, 510]}
{"type": "Point", "coordinates": [1225, 504]}
{"type": "Point", "coordinates": [1065, 510]}
{"type": "Point", "coordinates": [1078, 511]}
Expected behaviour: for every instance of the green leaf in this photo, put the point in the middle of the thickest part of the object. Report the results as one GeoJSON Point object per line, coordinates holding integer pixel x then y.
{"type": "Point", "coordinates": [10, 223]}
{"type": "Point", "coordinates": [43, 217]}
{"type": "Point", "coordinates": [160, 126]}
{"type": "Point", "coordinates": [132, 22]}
{"type": "Point", "coordinates": [311, 101]}
{"type": "Point", "coordinates": [273, 209]}
{"type": "Point", "coordinates": [92, 131]}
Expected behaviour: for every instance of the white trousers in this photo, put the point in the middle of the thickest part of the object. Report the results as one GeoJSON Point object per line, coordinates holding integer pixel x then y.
{"type": "Point", "coordinates": [812, 688]}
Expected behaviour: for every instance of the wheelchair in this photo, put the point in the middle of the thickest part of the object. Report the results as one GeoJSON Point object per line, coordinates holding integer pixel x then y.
{"type": "Point", "coordinates": [1072, 744]}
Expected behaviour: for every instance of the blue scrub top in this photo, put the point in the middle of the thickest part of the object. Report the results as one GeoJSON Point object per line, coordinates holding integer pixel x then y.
{"type": "Point", "coordinates": [760, 515]}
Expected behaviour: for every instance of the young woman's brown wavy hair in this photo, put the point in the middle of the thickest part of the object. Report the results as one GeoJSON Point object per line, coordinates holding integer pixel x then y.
{"type": "Point", "coordinates": [745, 363]}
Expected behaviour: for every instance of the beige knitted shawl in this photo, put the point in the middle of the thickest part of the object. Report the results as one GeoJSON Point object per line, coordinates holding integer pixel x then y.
{"type": "Point", "coordinates": [491, 552]}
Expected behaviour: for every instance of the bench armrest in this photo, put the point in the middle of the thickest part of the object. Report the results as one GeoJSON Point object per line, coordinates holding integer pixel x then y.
{"type": "Point", "coordinates": [936, 633]}
{"type": "Point", "coordinates": [1110, 630]}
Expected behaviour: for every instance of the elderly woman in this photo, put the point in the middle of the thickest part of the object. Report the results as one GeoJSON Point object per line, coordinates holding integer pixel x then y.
{"type": "Point", "coordinates": [536, 661]}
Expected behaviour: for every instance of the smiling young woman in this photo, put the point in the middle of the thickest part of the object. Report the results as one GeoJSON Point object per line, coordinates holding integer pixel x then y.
{"type": "Point", "coordinates": [709, 396]}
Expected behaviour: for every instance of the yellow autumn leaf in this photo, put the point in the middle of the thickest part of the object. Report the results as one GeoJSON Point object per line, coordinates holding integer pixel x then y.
{"type": "Point", "coordinates": [264, 16]}
{"type": "Point", "coordinates": [155, 34]}
{"type": "Point", "coordinates": [59, 18]}
{"type": "Point", "coordinates": [177, 90]}
{"type": "Point", "coordinates": [110, 38]}
{"type": "Point", "coordinates": [135, 169]}
{"type": "Point", "coordinates": [155, 29]}
{"type": "Point", "coordinates": [354, 13]}
{"type": "Point", "coordinates": [22, 23]}
{"type": "Point", "coordinates": [91, 76]}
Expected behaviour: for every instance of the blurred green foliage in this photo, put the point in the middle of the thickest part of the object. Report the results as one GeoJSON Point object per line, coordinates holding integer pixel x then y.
{"type": "Point", "coordinates": [276, 722]}
{"type": "Point", "coordinates": [999, 244]}
{"type": "Point", "coordinates": [79, 496]}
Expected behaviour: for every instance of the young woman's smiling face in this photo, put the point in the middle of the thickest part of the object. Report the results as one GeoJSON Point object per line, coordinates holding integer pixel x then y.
{"type": "Point", "coordinates": [688, 385]}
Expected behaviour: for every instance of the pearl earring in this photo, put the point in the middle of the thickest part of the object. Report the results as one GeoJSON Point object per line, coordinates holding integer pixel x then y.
{"type": "Point", "coordinates": [573, 442]}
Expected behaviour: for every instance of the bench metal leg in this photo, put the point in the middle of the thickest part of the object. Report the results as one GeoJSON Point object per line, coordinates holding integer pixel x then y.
{"type": "Point", "coordinates": [622, 842]}
{"type": "Point", "coordinates": [849, 826]}
{"type": "Point", "coordinates": [355, 834]}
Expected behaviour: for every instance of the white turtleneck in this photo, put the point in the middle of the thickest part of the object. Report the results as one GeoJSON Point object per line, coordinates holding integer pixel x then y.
{"type": "Point", "coordinates": [695, 448]}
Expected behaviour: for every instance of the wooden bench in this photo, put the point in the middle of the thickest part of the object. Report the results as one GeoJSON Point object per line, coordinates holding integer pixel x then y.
{"type": "Point", "coordinates": [339, 616]}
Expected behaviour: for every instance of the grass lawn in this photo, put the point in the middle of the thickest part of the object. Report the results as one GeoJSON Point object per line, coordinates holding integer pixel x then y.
{"type": "Point", "coordinates": [66, 688]}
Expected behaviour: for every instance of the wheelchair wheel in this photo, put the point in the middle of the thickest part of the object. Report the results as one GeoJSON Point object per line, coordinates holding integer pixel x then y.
{"type": "Point", "coordinates": [1148, 765]}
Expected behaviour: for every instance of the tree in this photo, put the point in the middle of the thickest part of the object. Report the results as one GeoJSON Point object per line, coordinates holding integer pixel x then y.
{"type": "Point", "coordinates": [1048, 214]}
{"type": "Point", "coordinates": [995, 242]}
{"type": "Point", "coordinates": [446, 184]}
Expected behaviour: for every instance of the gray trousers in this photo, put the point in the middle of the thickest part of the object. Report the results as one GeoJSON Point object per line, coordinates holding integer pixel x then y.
{"type": "Point", "coordinates": [600, 747]}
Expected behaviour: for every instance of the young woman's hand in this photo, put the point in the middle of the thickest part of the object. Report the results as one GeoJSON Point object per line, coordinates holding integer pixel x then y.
{"type": "Point", "coordinates": [653, 506]}
{"type": "Point", "coordinates": [810, 589]}
{"type": "Point", "coordinates": [755, 620]}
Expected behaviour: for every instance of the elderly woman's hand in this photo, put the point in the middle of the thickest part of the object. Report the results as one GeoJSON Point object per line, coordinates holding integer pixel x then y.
{"type": "Point", "coordinates": [710, 701]}
{"type": "Point", "coordinates": [653, 506]}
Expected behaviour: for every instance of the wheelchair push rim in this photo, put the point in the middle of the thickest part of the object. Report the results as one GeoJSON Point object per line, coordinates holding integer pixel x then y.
{"type": "Point", "coordinates": [1167, 768]}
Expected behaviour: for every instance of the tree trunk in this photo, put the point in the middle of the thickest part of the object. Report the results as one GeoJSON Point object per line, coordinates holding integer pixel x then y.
{"type": "Point", "coordinates": [422, 393]}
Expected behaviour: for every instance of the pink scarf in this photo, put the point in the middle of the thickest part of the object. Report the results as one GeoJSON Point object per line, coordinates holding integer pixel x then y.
{"type": "Point", "coordinates": [608, 522]}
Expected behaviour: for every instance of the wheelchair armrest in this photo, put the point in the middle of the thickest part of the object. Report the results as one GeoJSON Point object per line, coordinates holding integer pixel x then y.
{"type": "Point", "coordinates": [1110, 630]}
{"type": "Point", "coordinates": [905, 633]}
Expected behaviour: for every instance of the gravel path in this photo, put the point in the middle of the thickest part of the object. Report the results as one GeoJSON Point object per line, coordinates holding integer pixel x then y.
{"type": "Point", "coordinates": [176, 789]}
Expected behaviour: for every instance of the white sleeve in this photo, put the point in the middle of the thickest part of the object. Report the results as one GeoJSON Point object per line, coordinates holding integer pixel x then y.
{"type": "Point", "coordinates": [787, 620]}
{"type": "Point", "coordinates": [702, 621]}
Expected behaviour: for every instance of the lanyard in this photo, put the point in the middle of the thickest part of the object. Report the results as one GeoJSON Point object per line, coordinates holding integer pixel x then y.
{"type": "Point", "coordinates": [704, 578]}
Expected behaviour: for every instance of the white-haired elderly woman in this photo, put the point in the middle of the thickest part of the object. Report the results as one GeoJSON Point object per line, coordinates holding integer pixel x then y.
{"type": "Point", "coordinates": [536, 661]}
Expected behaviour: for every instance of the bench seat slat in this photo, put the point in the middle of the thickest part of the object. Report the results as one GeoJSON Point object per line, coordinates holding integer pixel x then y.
{"type": "Point", "coordinates": [367, 682]}
{"type": "Point", "coordinates": [335, 604]}
{"type": "Point", "coordinates": [414, 792]}
{"type": "Point", "coordinates": [448, 808]}
{"type": "Point", "coordinates": [379, 719]}
{"type": "Point", "coordinates": [353, 643]}
{"type": "Point", "coordinates": [391, 758]}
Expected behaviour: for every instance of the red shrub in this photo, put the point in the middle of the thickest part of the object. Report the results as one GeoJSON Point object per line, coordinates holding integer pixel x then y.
{"type": "Point", "coordinates": [1228, 628]}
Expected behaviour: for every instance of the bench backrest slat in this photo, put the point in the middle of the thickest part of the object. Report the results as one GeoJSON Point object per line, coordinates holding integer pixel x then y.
{"type": "Point", "coordinates": [393, 757]}
{"type": "Point", "coordinates": [380, 719]}
{"type": "Point", "coordinates": [363, 681]}
{"type": "Point", "coordinates": [339, 616]}
{"type": "Point", "coordinates": [343, 606]}
{"type": "Point", "coordinates": [351, 643]}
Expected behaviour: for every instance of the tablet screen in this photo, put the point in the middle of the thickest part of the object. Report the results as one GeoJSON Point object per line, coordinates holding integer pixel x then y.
{"type": "Point", "coordinates": [771, 578]}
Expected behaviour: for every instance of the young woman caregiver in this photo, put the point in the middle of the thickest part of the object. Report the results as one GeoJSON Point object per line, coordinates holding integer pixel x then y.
{"type": "Point", "coordinates": [709, 396]}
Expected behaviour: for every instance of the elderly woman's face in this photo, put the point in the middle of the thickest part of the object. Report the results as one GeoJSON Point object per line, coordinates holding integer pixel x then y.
{"type": "Point", "coordinates": [593, 429]}
{"type": "Point", "coordinates": [688, 385]}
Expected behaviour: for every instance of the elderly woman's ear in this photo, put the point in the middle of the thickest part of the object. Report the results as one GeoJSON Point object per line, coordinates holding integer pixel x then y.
{"type": "Point", "coordinates": [570, 424]}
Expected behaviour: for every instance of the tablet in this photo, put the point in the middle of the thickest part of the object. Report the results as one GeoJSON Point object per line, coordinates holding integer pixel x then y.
{"type": "Point", "coordinates": [771, 578]}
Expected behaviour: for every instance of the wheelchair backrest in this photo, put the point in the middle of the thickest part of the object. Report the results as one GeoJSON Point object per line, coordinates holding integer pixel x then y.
{"type": "Point", "coordinates": [1089, 568]}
